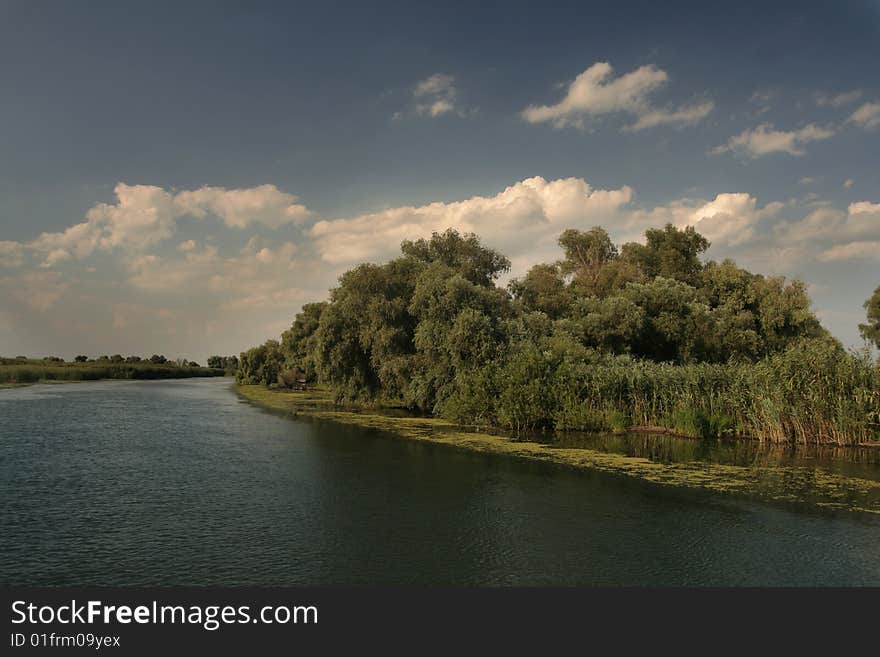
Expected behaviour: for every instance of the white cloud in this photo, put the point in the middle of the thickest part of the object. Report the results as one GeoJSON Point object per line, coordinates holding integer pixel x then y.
{"type": "Point", "coordinates": [867, 116]}
{"type": "Point", "coordinates": [807, 180]}
{"type": "Point", "coordinates": [869, 250]}
{"type": "Point", "coordinates": [731, 219]}
{"type": "Point", "coordinates": [595, 93]}
{"type": "Point", "coordinates": [764, 140]}
{"type": "Point", "coordinates": [681, 117]}
{"type": "Point", "coordinates": [264, 204]}
{"type": "Point", "coordinates": [436, 95]}
{"type": "Point", "coordinates": [144, 216]}
{"type": "Point", "coordinates": [840, 100]}
{"type": "Point", "coordinates": [514, 220]}
{"type": "Point", "coordinates": [436, 85]}
{"type": "Point", "coordinates": [836, 233]}
{"type": "Point", "coordinates": [524, 220]}
{"type": "Point", "coordinates": [437, 108]}
{"type": "Point", "coordinates": [848, 183]}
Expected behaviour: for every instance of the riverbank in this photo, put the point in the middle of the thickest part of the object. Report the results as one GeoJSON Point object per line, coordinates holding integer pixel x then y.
{"type": "Point", "coordinates": [781, 484]}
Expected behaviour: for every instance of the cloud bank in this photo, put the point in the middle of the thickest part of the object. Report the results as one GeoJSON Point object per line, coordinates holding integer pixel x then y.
{"type": "Point", "coordinates": [144, 215]}
{"type": "Point", "coordinates": [118, 282]}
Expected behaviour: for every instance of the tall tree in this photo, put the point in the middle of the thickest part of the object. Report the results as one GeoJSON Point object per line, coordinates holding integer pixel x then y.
{"type": "Point", "coordinates": [463, 253]}
{"type": "Point", "coordinates": [871, 330]}
{"type": "Point", "coordinates": [586, 253]}
{"type": "Point", "coordinates": [669, 252]}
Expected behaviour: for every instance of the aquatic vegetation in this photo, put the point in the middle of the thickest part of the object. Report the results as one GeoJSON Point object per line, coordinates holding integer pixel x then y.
{"type": "Point", "coordinates": [782, 484]}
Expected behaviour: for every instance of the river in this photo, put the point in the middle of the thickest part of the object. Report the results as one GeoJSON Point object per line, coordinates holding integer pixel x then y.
{"type": "Point", "coordinates": [182, 482]}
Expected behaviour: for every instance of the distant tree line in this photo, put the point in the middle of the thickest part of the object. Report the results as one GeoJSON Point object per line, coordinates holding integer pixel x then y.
{"type": "Point", "coordinates": [115, 359]}
{"type": "Point", "coordinates": [228, 364]}
{"type": "Point", "coordinates": [606, 335]}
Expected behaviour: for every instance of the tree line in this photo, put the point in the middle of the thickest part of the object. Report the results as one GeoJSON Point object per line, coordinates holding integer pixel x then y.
{"type": "Point", "coordinates": [115, 359]}
{"type": "Point", "coordinates": [605, 337]}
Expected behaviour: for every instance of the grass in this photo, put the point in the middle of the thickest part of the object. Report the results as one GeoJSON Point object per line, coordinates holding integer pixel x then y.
{"type": "Point", "coordinates": [780, 484]}
{"type": "Point", "coordinates": [39, 371]}
{"type": "Point", "coordinates": [812, 393]}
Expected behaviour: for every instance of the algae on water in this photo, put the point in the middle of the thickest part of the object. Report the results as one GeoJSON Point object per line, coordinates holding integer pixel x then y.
{"type": "Point", "coordinates": [783, 484]}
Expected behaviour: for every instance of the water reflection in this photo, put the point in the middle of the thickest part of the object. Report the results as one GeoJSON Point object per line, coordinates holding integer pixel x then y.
{"type": "Point", "coordinates": [863, 462]}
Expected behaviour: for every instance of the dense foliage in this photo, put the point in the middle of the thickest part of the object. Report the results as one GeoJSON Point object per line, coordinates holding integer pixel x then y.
{"type": "Point", "coordinates": [607, 337]}
{"type": "Point", "coordinates": [871, 330]}
{"type": "Point", "coordinates": [228, 364]}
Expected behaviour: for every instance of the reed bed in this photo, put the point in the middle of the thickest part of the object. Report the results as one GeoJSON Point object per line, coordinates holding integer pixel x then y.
{"type": "Point", "coordinates": [812, 393]}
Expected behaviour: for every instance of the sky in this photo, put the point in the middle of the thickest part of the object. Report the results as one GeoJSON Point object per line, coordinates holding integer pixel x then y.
{"type": "Point", "coordinates": [180, 178]}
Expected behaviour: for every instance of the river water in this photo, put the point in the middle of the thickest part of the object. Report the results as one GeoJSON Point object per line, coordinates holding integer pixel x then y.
{"type": "Point", "coordinates": [181, 482]}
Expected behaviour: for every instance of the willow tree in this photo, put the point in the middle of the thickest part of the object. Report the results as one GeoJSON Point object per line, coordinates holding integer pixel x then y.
{"type": "Point", "coordinates": [871, 330]}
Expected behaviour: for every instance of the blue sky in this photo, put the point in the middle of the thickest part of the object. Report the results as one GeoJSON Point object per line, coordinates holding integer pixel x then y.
{"type": "Point", "coordinates": [322, 135]}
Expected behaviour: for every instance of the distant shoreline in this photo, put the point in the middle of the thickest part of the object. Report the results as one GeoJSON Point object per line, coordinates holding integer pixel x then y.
{"type": "Point", "coordinates": [769, 483]}
{"type": "Point", "coordinates": [28, 373]}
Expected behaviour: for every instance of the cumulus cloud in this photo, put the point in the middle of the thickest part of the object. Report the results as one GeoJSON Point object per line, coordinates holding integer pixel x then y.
{"type": "Point", "coordinates": [524, 220]}
{"type": "Point", "coordinates": [729, 220]}
{"type": "Point", "coordinates": [239, 208]}
{"type": "Point", "coordinates": [867, 116]}
{"type": "Point", "coordinates": [513, 220]}
{"type": "Point", "coordinates": [145, 215]}
{"type": "Point", "coordinates": [765, 139]}
{"type": "Point", "coordinates": [869, 250]}
{"type": "Point", "coordinates": [435, 95]}
{"type": "Point", "coordinates": [594, 93]}
{"type": "Point", "coordinates": [142, 216]}
{"type": "Point", "coordinates": [861, 220]}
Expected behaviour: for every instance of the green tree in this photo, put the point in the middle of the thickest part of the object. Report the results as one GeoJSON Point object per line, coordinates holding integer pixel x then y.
{"type": "Point", "coordinates": [668, 252]}
{"type": "Point", "coordinates": [298, 342]}
{"type": "Point", "coordinates": [612, 324]}
{"type": "Point", "coordinates": [586, 253]}
{"type": "Point", "coordinates": [261, 364]}
{"type": "Point", "coordinates": [871, 330]}
{"type": "Point", "coordinates": [463, 253]}
{"type": "Point", "coordinates": [542, 289]}
{"type": "Point", "coordinates": [677, 324]}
